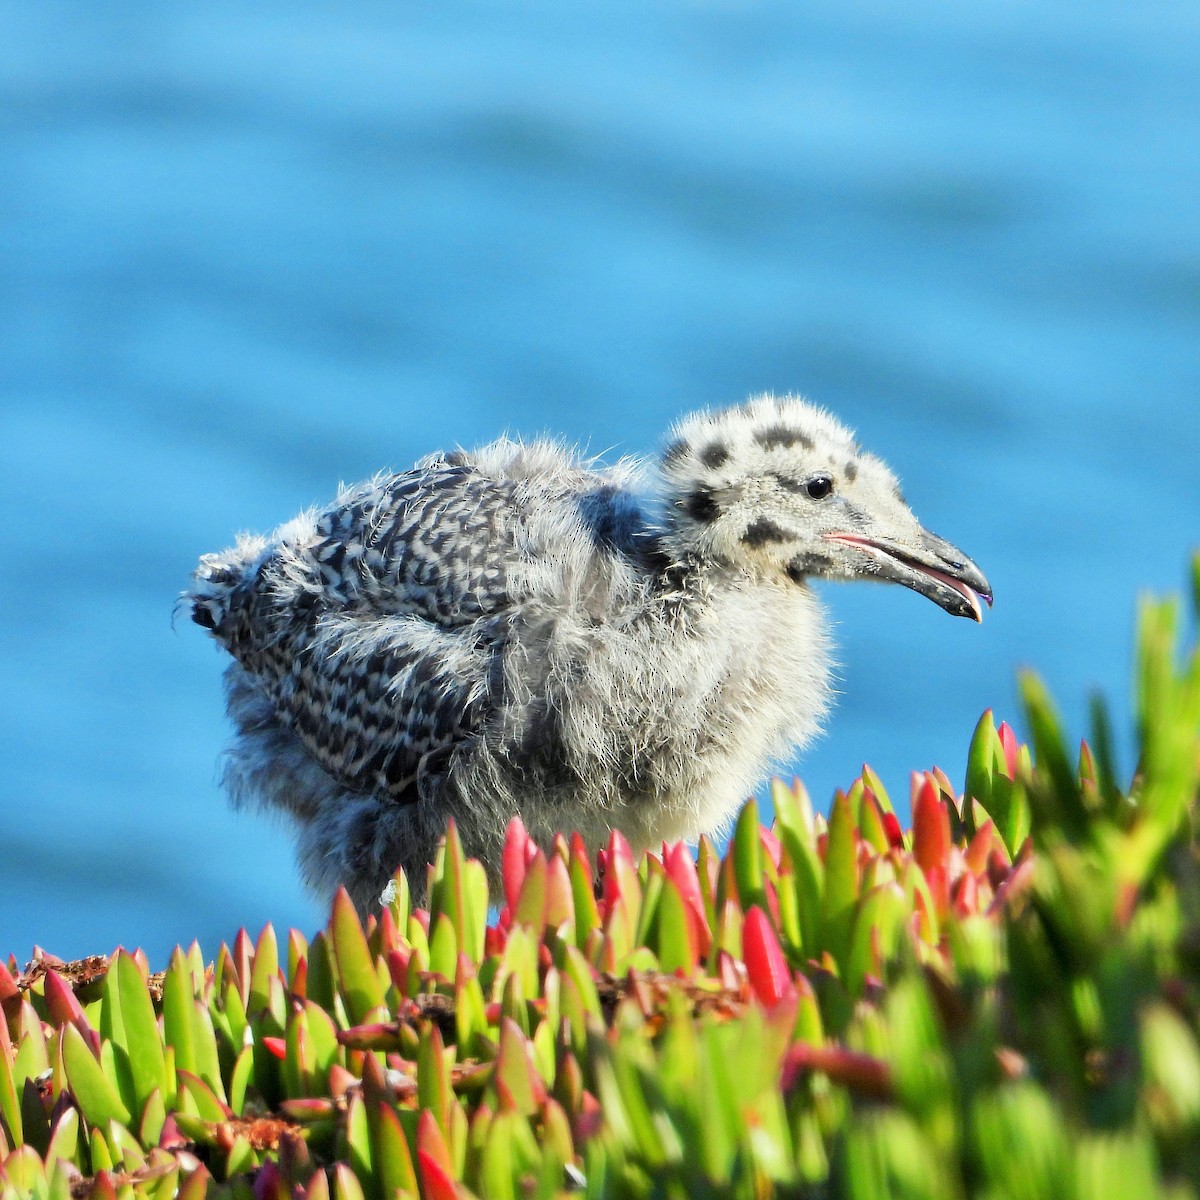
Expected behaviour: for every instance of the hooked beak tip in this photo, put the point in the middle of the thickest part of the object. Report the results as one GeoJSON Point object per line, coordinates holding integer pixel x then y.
{"type": "Point", "coordinates": [937, 570]}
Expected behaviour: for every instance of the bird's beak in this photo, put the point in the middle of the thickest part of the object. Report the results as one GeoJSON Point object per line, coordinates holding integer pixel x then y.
{"type": "Point", "coordinates": [931, 566]}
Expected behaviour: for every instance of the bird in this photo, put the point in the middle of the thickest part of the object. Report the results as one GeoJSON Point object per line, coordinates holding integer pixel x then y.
{"type": "Point", "coordinates": [522, 630]}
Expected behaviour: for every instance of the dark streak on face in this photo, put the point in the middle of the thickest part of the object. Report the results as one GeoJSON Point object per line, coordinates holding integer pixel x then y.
{"type": "Point", "coordinates": [851, 471]}
{"type": "Point", "coordinates": [804, 565]}
{"type": "Point", "coordinates": [714, 454]}
{"type": "Point", "coordinates": [764, 531]}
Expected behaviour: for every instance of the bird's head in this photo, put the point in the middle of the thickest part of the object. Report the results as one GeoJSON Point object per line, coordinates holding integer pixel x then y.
{"type": "Point", "coordinates": [778, 486]}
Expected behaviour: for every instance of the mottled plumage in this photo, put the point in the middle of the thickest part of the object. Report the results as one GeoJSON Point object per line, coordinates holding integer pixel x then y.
{"type": "Point", "coordinates": [519, 630]}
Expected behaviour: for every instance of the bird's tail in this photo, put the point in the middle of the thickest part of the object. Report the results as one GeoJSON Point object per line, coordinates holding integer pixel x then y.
{"type": "Point", "coordinates": [218, 581]}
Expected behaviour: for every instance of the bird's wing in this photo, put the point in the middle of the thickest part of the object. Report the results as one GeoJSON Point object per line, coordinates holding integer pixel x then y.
{"type": "Point", "coordinates": [372, 625]}
{"type": "Point", "coordinates": [434, 542]}
{"type": "Point", "coordinates": [379, 700]}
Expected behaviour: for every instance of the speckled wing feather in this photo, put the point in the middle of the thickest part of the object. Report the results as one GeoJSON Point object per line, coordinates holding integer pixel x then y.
{"type": "Point", "coordinates": [372, 625]}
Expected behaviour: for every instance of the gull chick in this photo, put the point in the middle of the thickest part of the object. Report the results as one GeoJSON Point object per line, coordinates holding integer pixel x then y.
{"type": "Point", "coordinates": [520, 631]}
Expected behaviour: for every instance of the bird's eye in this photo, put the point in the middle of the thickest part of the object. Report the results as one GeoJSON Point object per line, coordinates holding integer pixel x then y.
{"type": "Point", "coordinates": [819, 486]}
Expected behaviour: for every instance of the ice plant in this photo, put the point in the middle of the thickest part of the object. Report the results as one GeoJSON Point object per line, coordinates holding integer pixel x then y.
{"type": "Point", "coordinates": [1002, 999]}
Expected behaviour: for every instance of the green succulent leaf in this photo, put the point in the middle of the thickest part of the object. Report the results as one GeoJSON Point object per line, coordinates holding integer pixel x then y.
{"type": "Point", "coordinates": [358, 982]}
{"type": "Point", "coordinates": [841, 882]}
{"type": "Point", "coordinates": [142, 1041]}
{"type": "Point", "coordinates": [749, 869]}
{"type": "Point", "coordinates": [98, 1097]}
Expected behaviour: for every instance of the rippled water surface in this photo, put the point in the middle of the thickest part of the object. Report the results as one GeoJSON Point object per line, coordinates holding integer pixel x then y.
{"type": "Point", "coordinates": [249, 251]}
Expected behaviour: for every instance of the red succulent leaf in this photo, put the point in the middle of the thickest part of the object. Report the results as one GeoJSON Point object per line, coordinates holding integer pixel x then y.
{"type": "Point", "coordinates": [731, 973]}
{"type": "Point", "coordinates": [1011, 748]}
{"type": "Point", "coordinates": [965, 895]}
{"type": "Point", "coordinates": [999, 865]}
{"type": "Point", "coordinates": [766, 965]}
{"type": "Point", "coordinates": [589, 1118]}
{"type": "Point", "coordinates": [432, 1142]}
{"type": "Point", "coordinates": [681, 870]}
{"type": "Point", "coordinates": [62, 1005]}
{"type": "Point", "coordinates": [103, 1186]}
{"type": "Point", "coordinates": [341, 1080]}
{"type": "Point", "coordinates": [378, 1035]}
{"type": "Point", "coordinates": [298, 984]}
{"type": "Point", "coordinates": [170, 1137]}
{"type": "Point", "coordinates": [939, 888]}
{"type": "Point", "coordinates": [942, 780]}
{"type": "Point", "coordinates": [436, 1182]}
{"type": "Point", "coordinates": [895, 835]}
{"type": "Point", "coordinates": [513, 861]}
{"type": "Point", "coordinates": [276, 1045]}
{"type": "Point", "coordinates": [770, 843]}
{"type": "Point", "coordinates": [397, 964]}
{"type": "Point", "coordinates": [386, 926]}
{"type": "Point", "coordinates": [619, 869]}
{"type": "Point", "coordinates": [495, 937]}
{"type": "Point", "coordinates": [8, 985]}
{"type": "Point", "coordinates": [861, 1073]}
{"type": "Point", "coordinates": [980, 847]}
{"type": "Point", "coordinates": [931, 826]}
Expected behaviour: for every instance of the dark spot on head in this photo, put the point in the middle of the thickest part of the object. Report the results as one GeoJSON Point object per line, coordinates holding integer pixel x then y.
{"type": "Point", "coordinates": [702, 506]}
{"type": "Point", "coordinates": [780, 435]}
{"type": "Point", "coordinates": [674, 452]}
{"type": "Point", "coordinates": [762, 531]}
{"type": "Point", "coordinates": [714, 454]}
{"type": "Point", "coordinates": [851, 471]}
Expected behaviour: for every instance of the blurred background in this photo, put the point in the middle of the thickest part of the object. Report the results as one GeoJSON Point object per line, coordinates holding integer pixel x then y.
{"type": "Point", "coordinates": [249, 251]}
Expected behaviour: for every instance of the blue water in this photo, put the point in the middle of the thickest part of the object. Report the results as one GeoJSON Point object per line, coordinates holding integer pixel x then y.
{"type": "Point", "coordinates": [247, 251]}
